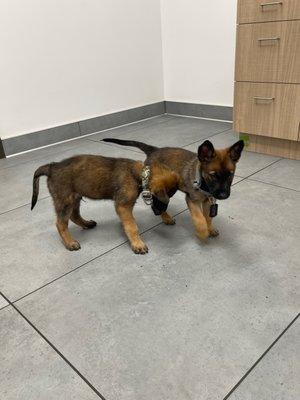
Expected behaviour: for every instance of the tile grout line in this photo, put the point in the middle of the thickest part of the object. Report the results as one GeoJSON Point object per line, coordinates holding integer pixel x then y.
{"type": "Point", "coordinates": [28, 161]}
{"type": "Point", "coordinates": [90, 135]}
{"type": "Point", "coordinates": [92, 259]}
{"type": "Point", "coordinates": [2, 308]}
{"type": "Point", "coordinates": [24, 205]}
{"type": "Point", "coordinates": [133, 130]}
{"type": "Point", "coordinates": [256, 172]}
{"type": "Point", "coordinates": [273, 184]}
{"type": "Point", "coordinates": [54, 348]}
{"type": "Point", "coordinates": [208, 137]}
{"type": "Point", "coordinates": [260, 358]}
{"type": "Point", "coordinates": [161, 123]}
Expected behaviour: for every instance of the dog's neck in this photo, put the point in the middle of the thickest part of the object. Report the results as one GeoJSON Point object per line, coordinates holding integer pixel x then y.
{"type": "Point", "coordinates": [137, 171]}
{"type": "Point", "coordinates": [200, 183]}
{"type": "Point", "coordinates": [189, 176]}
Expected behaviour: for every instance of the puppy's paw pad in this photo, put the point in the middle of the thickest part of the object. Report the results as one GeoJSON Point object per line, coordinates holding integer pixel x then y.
{"type": "Point", "coordinates": [73, 246]}
{"type": "Point", "coordinates": [214, 232]}
{"type": "Point", "coordinates": [140, 249]}
{"type": "Point", "coordinates": [170, 221]}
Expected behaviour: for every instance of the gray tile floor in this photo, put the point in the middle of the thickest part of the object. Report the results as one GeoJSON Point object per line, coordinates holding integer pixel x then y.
{"type": "Point", "coordinates": [187, 321]}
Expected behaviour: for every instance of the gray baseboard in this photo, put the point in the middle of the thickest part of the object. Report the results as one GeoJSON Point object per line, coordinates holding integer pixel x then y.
{"type": "Point", "coordinates": [70, 131]}
{"type": "Point", "coordinates": [199, 110]}
{"type": "Point", "coordinates": [57, 134]}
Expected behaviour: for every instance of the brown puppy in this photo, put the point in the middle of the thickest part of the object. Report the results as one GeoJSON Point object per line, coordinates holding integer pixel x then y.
{"type": "Point", "coordinates": [203, 177]}
{"type": "Point", "coordinates": [98, 177]}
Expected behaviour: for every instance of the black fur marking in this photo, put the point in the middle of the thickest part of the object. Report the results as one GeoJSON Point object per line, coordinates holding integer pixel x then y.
{"type": "Point", "coordinates": [219, 184]}
{"type": "Point", "coordinates": [235, 150]}
{"type": "Point", "coordinates": [206, 151]}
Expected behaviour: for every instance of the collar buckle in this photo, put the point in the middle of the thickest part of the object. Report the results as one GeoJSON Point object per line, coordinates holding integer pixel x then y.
{"type": "Point", "coordinates": [146, 193]}
{"type": "Point", "coordinates": [147, 197]}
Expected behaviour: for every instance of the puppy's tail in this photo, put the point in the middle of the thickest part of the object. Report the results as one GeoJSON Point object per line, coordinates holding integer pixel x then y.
{"type": "Point", "coordinates": [43, 170]}
{"type": "Point", "coordinates": [146, 148]}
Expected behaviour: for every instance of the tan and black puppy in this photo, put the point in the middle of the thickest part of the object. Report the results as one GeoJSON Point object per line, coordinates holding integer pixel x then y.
{"type": "Point", "coordinates": [213, 168]}
{"type": "Point", "coordinates": [97, 177]}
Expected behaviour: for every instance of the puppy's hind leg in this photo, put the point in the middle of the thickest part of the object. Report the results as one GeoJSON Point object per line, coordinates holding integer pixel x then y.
{"type": "Point", "coordinates": [130, 227]}
{"type": "Point", "coordinates": [77, 218]}
{"type": "Point", "coordinates": [63, 212]}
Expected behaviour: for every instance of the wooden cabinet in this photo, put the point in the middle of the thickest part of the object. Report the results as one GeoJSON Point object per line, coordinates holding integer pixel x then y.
{"type": "Point", "coordinates": [268, 109]}
{"type": "Point", "coordinates": [268, 52]}
{"type": "Point", "coordinates": [267, 10]}
{"type": "Point", "coordinates": [267, 75]}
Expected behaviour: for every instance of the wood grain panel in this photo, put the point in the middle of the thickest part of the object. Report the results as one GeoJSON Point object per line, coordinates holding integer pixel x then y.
{"type": "Point", "coordinates": [252, 10]}
{"type": "Point", "coordinates": [276, 60]}
{"type": "Point", "coordinates": [274, 147]}
{"type": "Point", "coordinates": [278, 117]}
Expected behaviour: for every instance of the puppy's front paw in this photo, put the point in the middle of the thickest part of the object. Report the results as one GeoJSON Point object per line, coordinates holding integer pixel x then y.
{"type": "Point", "coordinates": [202, 234]}
{"type": "Point", "coordinates": [73, 246]}
{"type": "Point", "coordinates": [213, 232]}
{"type": "Point", "coordinates": [140, 248]}
{"type": "Point", "coordinates": [169, 221]}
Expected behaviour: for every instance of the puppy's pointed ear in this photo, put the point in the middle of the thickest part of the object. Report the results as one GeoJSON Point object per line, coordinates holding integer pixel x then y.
{"type": "Point", "coordinates": [235, 150]}
{"type": "Point", "coordinates": [206, 151]}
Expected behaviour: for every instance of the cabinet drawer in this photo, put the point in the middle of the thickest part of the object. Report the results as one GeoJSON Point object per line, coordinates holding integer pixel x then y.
{"type": "Point", "coordinates": [267, 109]}
{"type": "Point", "coordinates": [268, 52]}
{"type": "Point", "coordinates": [267, 10]}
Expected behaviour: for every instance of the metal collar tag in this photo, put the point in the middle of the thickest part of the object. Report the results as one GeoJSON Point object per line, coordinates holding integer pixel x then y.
{"type": "Point", "coordinates": [146, 194]}
{"type": "Point", "coordinates": [213, 209]}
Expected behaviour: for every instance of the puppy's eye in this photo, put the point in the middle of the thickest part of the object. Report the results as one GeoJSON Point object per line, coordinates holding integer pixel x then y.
{"type": "Point", "coordinates": [232, 172]}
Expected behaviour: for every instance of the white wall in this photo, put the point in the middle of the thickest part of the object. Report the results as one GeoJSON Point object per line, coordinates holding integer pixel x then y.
{"type": "Point", "coordinates": [66, 60]}
{"type": "Point", "coordinates": [198, 50]}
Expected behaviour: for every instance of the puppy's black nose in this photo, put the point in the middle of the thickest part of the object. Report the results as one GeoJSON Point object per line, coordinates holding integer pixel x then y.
{"type": "Point", "coordinates": [222, 195]}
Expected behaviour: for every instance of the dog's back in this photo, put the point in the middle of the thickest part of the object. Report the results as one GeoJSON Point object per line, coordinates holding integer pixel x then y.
{"type": "Point", "coordinates": [92, 176]}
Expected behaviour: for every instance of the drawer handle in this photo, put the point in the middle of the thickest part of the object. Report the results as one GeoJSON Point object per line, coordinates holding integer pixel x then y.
{"type": "Point", "coordinates": [273, 3]}
{"type": "Point", "coordinates": [269, 39]}
{"type": "Point", "coordinates": [264, 98]}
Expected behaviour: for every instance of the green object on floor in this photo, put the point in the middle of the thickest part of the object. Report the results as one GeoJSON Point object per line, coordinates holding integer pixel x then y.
{"type": "Point", "coordinates": [245, 138]}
